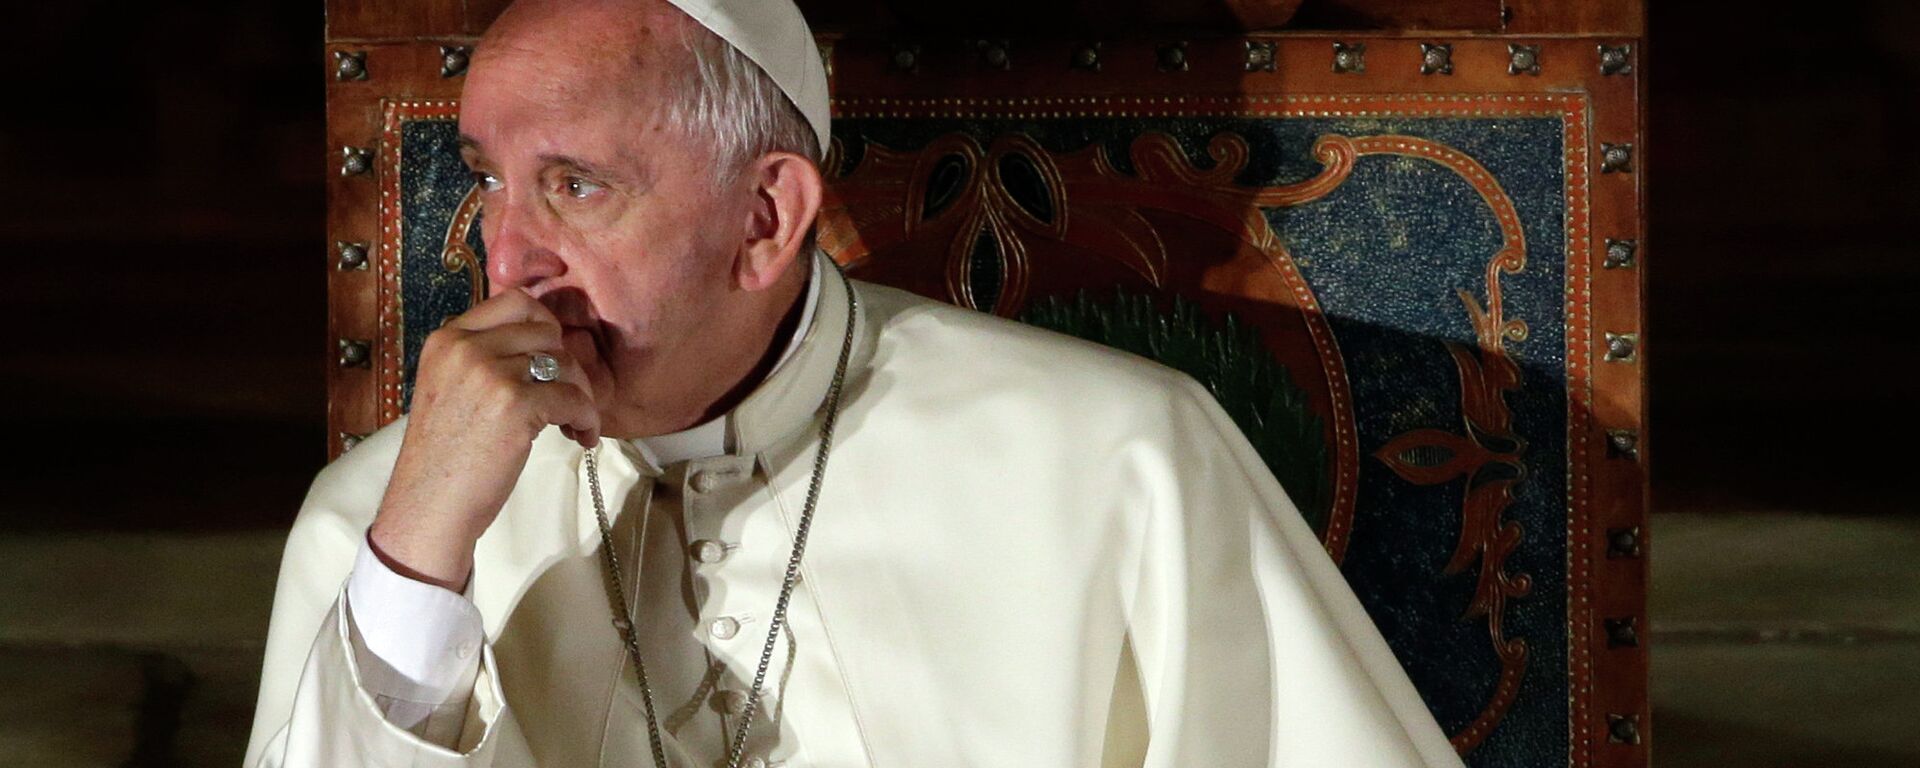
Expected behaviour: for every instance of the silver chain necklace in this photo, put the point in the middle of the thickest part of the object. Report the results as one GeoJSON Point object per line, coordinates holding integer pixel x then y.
{"type": "Point", "coordinates": [617, 588]}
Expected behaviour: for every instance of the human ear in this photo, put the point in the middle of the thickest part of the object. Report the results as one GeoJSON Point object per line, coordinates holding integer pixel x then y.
{"type": "Point", "coordinates": [787, 191]}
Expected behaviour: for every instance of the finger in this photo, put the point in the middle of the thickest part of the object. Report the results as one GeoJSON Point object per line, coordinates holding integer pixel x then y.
{"type": "Point", "coordinates": [570, 369]}
{"type": "Point", "coordinates": [573, 372]}
{"type": "Point", "coordinates": [451, 346]}
{"type": "Point", "coordinates": [572, 377]}
{"type": "Point", "coordinates": [513, 306]}
{"type": "Point", "coordinates": [565, 404]}
{"type": "Point", "coordinates": [519, 338]}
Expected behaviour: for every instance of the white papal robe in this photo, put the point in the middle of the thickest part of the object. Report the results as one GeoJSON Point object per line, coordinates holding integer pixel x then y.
{"type": "Point", "coordinates": [1029, 550]}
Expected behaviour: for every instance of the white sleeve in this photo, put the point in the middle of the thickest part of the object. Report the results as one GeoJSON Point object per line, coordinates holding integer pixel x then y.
{"type": "Point", "coordinates": [315, 709]}
{"type": "Point", "coordinates": [417, 645]}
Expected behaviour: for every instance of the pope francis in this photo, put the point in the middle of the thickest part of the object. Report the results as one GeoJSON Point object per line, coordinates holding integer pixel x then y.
{"type": "Point", "coordinates": [678, 493]}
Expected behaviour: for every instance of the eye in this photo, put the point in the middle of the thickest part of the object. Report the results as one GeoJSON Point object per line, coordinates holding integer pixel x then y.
{"type": "Point", "coordinates": [578, 188]}
{"type": "Point", "coordinates": [487, 182]}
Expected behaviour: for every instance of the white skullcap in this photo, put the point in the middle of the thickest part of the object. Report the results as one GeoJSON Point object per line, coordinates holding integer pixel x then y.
{"type": "Point", "coordinates": [775, 36]}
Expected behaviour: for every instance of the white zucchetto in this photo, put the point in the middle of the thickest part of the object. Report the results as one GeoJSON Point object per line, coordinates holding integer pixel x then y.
{"type": "Point", "coordinates": [775, 36]}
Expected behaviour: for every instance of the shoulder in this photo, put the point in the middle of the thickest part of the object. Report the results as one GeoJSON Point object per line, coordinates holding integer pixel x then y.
{"type": "Point", "coordinates": [1112, 423]}
{"type": "Point", "coordinates": [346, 493]}
{"type": "Point", "coordinates": [962, 356]}
{"type": "Point", "coordinates": [913, 328]}
{"type": "Point", "coordinates": [360, 475]}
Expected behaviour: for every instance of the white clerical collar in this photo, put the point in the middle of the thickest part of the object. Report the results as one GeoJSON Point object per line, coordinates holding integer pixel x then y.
{"type": "Point", "coordinates": [710, 438]}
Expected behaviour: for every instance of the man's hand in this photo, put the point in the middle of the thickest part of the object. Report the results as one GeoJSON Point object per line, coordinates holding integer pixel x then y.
{"type": "Point", "coordinates": [475, 414]}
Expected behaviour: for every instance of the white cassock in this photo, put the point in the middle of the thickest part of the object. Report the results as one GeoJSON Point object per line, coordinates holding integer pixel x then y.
{"type": "Point", "coordinates": [1028, 550]}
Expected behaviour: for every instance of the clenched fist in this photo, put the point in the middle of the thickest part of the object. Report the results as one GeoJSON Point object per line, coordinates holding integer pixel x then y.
{"type": "Point", "coordinates": [476, 411]}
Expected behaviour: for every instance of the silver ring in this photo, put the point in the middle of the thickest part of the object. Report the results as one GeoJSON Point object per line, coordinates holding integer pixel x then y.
{"type": "Point", "coordinates": [542, 367]}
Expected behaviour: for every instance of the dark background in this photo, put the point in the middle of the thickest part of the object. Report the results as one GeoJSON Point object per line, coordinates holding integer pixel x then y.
{"type": "Point", "coordinates": [162, 224]}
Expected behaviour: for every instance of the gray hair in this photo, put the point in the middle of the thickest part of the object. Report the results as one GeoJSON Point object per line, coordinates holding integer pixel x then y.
{"type": "Point", "coordinates": [725, 99]}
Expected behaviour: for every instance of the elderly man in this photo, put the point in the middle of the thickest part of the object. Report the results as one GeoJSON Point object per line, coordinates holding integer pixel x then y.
{"type": "Point", "coordinates": [678, 493]}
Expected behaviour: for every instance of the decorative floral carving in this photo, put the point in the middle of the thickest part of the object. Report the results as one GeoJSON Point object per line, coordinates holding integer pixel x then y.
{"type": "Point", "coordinates": [458, 257]}
{"type": "Point", "coordinates": [1487, 452]}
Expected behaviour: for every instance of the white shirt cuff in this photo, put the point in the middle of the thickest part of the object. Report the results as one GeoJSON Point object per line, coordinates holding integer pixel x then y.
{"type": "Point", "coordinates": [427, 638]}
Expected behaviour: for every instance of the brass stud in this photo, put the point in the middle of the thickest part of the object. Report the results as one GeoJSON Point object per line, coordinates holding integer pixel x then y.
{"type": "Point", "coordinates": [453, 60]}
{"type": "Point", "coordinates": [1616, 60]}
{"type": "Point", "coordinates": [1623, 444]}
{"type": "Point", "coordinates": [1523, 59]}
{"type": "Point", "coordinates": [352, 255]}
{"type": "Point", "coordinates": [1436, 58]}
{"type": "Point", "coordinates": [1622, 632]}
{"type": "Point", "coordinates": [1086, 57]}
{"type": "Point", "coordinates": [355, 160]}
{"type": "Point", "coordinates": [1623, 729]}
{"type": "Point", "coordinates": [356, 353]}
{"type": "Point", "coordinates": [906, 58]}
{"type": "Point", "coordinates": [1623, 543]}
{"type": "Point", "coordinates": [349, 65]}
{"type": "Point", "coordinates": [1622, 347]}
{"type": "Point", "coordinates": [1260, 56]}
{"type": "Point", "coordinates": [993, 53]}
{"type": "Point", "coordinates": [1172, 57]}
{"type": "Point", "coordinates": [349, 440]}
{"type": "Point", "coordinates": [1620, 253]}
{"type": "Point", "coordinates": [1616, 158]}
{"type": "Point", "coordinates": [1349, 58]}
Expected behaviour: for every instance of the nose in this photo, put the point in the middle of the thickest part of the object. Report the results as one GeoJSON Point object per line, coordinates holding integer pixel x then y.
{"type": "Point", "coordinates": [518, 250]}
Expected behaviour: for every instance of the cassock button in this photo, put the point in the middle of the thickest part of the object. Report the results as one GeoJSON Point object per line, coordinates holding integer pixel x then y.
{"type": "Point", "coordinates": [466, 650]}
{"type": "Point", "coordinates": [709, 551]}
{"type": "Point", "coordinates": [706, 481]}
{"type": "Point", "coordinates": [731, 702]}
{"type": "Point", "coordinates": [724, 627]}
{"type": "Point", "coordinates": [757, 763]}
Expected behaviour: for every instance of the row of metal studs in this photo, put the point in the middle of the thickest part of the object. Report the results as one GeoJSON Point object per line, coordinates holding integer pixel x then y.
{"type": "Point", "coordinates": [1348, 58]}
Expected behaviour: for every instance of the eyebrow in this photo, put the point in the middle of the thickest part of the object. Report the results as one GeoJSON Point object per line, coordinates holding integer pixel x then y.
{"type": "Point", "coordinates": [590, 169]}
{"type": "Point", "coordinates": [470, 144]}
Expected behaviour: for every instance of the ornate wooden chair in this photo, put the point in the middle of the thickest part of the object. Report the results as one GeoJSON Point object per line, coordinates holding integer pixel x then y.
{"type": "Point", "coordinates": [1407, 260]}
